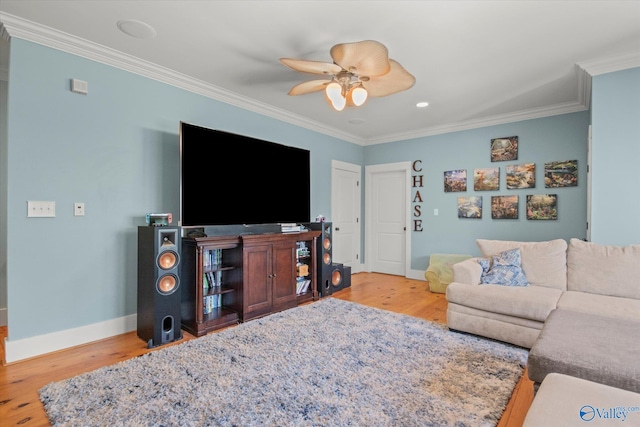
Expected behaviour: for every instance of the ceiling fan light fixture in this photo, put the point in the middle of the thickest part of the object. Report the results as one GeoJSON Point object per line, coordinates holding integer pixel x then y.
{"type": "Point", "coordinates": [353, 64]}
{"type": "Point", "coordinates": [339, 103]}
{"type": "Point", "coordinates": [358, 95]}
{"type": "Point", "coordinates": [334, 93]}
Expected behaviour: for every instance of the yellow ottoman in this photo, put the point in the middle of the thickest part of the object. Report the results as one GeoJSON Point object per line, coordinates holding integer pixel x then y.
{"type": "Point", "coordinates": [439, 273]}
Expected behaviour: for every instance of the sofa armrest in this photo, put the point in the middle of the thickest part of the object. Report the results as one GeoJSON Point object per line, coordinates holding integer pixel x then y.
{"type": "Point", "coordinates": [468, 271]}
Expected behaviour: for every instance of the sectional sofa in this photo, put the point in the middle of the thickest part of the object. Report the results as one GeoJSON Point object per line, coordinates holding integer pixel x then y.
{"type": "Point", "coordinates": [576, 307]}
{"type": "Point", "coordinates": [579, 276]}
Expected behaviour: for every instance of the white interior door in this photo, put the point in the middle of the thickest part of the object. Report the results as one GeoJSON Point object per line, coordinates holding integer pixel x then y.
{"type": "Point", "coordinates": [387, 208]}
{"type": "Point", "coordinates": [346, 213]}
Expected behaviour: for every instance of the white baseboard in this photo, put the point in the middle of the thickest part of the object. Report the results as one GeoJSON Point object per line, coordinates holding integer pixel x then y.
{"type": "Point", "coordinates": [16, 350]}
{"type": "Point", "coordinates": [410, 274]}
{"type": "Point", "coordinates": [26, 348]}
{"type": "Point", "coordinates": [416, 275]}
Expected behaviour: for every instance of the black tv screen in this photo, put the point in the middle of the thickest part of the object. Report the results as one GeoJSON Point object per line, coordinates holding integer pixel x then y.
{"type": "Point", "coordinates": [228, 179]}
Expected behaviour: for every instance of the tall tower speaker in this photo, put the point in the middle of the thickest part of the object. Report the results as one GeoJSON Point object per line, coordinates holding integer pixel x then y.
{"type": "Point", "coordinates": [159, 293]}
{"type": "Point", "coordinates": [324, 253]}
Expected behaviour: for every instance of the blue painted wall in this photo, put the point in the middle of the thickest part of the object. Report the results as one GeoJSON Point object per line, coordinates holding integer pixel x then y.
{"type": "Point", "coordinates": [117, 150]}
{"type": "Point", "coordinates": [549, 139]}
{"type": "Point", "coordinates": [615, 213]}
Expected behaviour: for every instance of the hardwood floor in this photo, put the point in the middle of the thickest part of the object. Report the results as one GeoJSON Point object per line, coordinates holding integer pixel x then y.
{"type": "Point", "coordinates": [20, 381]}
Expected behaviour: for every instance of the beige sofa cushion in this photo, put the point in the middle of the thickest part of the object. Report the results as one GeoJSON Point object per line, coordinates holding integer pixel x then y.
{"type": "Point", "coordinates": [529, 302]}
{"type": "Point", "coordinates": [602, 305]}
{"type": "Point", "coordinates": [562, 398]}
{"type": "Point", "coordinates": [544, 263]}
{"type": "Point", "coordinates": [468, 271]}
{"type": "Point", "coordinates": [604, 270]}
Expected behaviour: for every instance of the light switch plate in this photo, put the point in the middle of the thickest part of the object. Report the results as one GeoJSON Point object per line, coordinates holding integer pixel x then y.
{"type": "Point", "coordinates": [40, 209]}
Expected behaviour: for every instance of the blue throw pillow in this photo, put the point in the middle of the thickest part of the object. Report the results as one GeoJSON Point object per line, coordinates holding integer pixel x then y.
{"type": "Point", "coordinates": [503, 269]}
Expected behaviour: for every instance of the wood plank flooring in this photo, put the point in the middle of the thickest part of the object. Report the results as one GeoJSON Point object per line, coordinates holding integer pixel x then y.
{"type": "Point", "coordinates": [20, 381]}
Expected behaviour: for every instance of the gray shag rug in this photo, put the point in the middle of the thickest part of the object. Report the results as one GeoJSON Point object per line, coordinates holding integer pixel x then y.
{"type": "Point", "coordinates": [329, 363]}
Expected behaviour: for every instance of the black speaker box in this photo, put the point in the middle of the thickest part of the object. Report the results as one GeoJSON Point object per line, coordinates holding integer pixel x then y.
{"type": "Point", "coordinates": [324, 256]}
{"type": "Point", "coordinates": [340, 277]}
{"type": "Point", "coordinates": [347, 277]}
{"type": "Point", "coordinates": [159, 295]}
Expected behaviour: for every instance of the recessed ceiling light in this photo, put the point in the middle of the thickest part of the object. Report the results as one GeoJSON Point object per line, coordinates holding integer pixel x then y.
{"type": "Point", "coordinates": [422, 104]}
{"type": "Point", "coordinates": [137, 29]}
{"type": "Point", "coordinates": [357, 121]}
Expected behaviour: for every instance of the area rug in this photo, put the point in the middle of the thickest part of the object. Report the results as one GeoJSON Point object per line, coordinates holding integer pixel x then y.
{"type": "Point", "coordinates": [329, 363]}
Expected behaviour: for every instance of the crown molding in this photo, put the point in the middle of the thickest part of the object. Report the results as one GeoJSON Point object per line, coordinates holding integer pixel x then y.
{"type": "Point", "coordinates": [611, 64]}
{"type": "Point", "coordinates": [20, 28]}
{"type": "Point", "coordinates": [13, 26]}
{"type": "Point", "coordinates": [518, 116]}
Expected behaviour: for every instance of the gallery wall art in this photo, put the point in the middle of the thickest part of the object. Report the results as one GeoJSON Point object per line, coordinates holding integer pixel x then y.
{"type": "Point", "coordinates": [455, 181]}
{"type": "Point", "coordinates": [557, 174]}
{"type": "Point", "coordinates": [486, 179]}
{"type": "Point", "coordinates": [561, 174]}
{"type": "Point", "coordinates": [542, 206]}
{"type": "Point", "coordinates": [521, 176]}
{"type": "Point", "coordinates": [503, 149]}
{"type": "Point", "coordinates": [470, 207]}
{"type": "Point", "coordinates": [504, 207]}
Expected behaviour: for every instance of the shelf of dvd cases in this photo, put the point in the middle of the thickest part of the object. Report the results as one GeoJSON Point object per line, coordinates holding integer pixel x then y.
{"type": "Point", "coordinates": [212, 275]}
{"type": "Point", "coordinates": [304, 269]}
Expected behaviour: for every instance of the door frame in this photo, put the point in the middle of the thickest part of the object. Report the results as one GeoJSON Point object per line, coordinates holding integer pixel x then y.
{"type": "Point", "coordinates": [337, 164]}
{"type": "Point", "coordinates": [370, 171]}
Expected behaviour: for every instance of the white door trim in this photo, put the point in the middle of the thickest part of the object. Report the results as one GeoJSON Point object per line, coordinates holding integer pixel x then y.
{"type": "Point", "coordinates": [337, 164]}
{"type": "Point", "coordinates": [369, 172]}
{"type": "Point", "coordinates": [589, 146]}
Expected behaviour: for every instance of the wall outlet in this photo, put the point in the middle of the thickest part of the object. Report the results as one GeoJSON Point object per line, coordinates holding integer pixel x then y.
{"type": "Point", "coordinates": [78, 209]}
{"type": "Point", "coordinates": [37, 209]}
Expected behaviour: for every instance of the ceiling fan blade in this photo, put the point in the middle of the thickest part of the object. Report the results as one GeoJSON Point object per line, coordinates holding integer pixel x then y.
{"type": "Point", "coordinates": [313, 67]}
{"type": "Point", "coordinates": [366, 58]}
{"type": "Point", "coordinates": [309, 87]}
{"type": "Point", "coordinates": [396, 80]}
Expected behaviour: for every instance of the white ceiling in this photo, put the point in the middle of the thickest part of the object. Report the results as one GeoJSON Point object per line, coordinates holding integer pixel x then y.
{"type": "Point", "coordinates": [477, 63]}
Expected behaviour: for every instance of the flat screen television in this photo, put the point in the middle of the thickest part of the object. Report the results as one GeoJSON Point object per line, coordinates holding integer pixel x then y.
{"type": "Point", "coordinates": [230, 179]}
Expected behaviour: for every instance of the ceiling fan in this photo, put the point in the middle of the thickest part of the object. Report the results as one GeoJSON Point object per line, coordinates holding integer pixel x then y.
{"type": "Point", "coordinates": [358, 70]}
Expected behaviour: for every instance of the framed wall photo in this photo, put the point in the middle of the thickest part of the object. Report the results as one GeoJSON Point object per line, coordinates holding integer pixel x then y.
{"type": "Point", "coordinates": [486, 179]}
{"type": "Point", "coordinates": [521, 176]}
{"type": "Point", "coordinates": [542, 207]}
{"type": "Point", "coordinates": [561, 174]}
{"type": "Point", "coordinates": [503, 149]}
{"type": "Point", "coordinates": [470, 207]}
{"type": "Point", "coordinates": [504, 207]}
{"type": "Point", "coordinates": [455, 180]}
